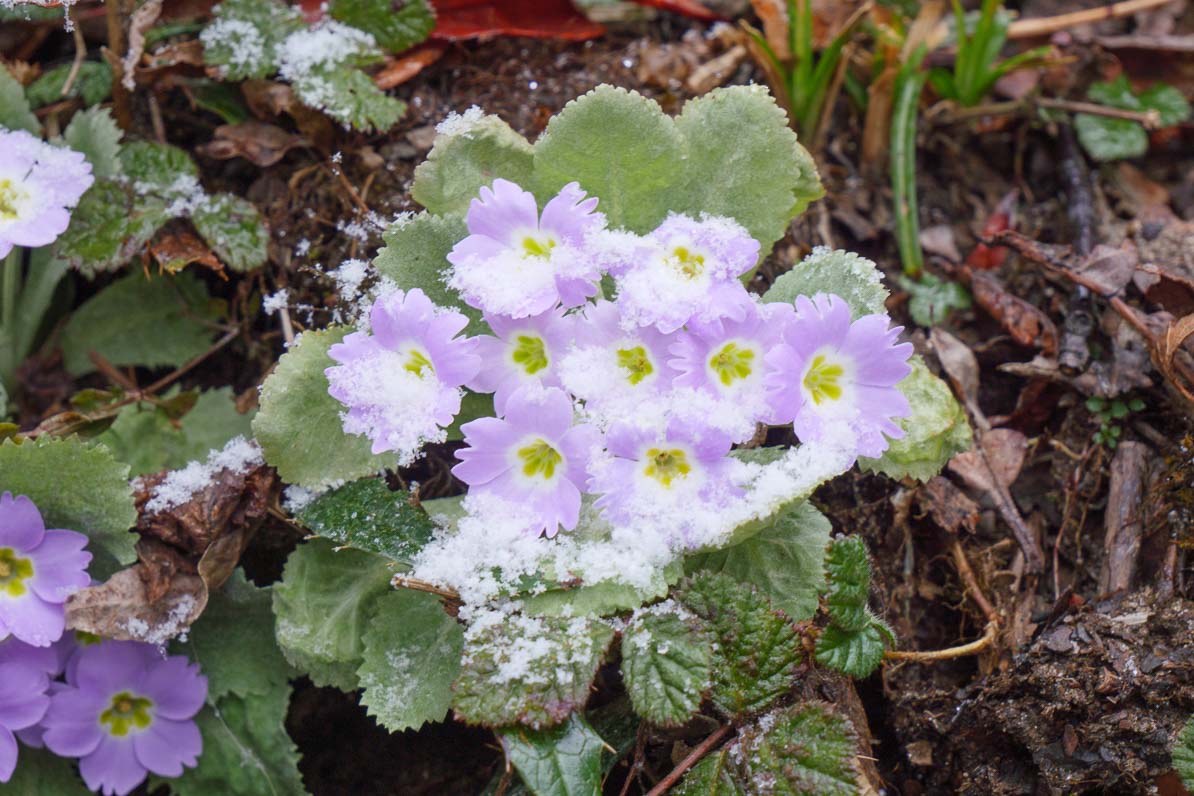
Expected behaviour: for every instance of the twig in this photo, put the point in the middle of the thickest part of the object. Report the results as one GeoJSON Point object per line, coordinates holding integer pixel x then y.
{"type": "Point", "coordinates": [1043, 26]}
{"type": "Point", "coordinates": [966, 572]}
{"type": "Point", "coordinates": [405, 582]}
{"type": "Point", "coordinates": [80, 53]}
{"type": "Point", "coordinates": [169, 379]}
{"type": "Point", "coordinates": [973, 648]}
{"type": "Point", "coordinates": [121, 98]}
{"type": "Point", "coordinates": [694, 757]}
{"type": "Point", "coordinates": [1151, 118]}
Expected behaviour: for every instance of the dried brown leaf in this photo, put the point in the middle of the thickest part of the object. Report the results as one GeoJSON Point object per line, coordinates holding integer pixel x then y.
{"type": "Point", "coordinates": [122, 609]}
{"type": "Point", "coordinates": [260, 143]}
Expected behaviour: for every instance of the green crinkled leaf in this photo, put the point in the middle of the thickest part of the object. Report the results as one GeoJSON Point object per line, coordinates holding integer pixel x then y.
{"type": "Point", "coordinates": [366, 515]}
{"type": "Point", "coordinates": [848, 582]}
{"type": "Point", "coordinates": [1183, 754]}
{"type": "Point", "coordinates": [40, 772]}
{"type": "Point", "coordinates": [95, 133]}
{"type": "Point", "coordinates": [561, 761]}
{"type": "Point", "coordinates": [526, 670]}
{"type": "Point", "coordinates": [15, 113]}
{"type": "Point", "coordinates": [93, 84]}
{"type": "Point", "coordinates": [109, 227]}
{"type": "Point", "coordinates": [621, 147]}
{"type": "Point", "coordinates": [856, 279]}
{"type": "Point", "coordinates": [412, 656]}
{"type": "Point", "coordinates": [350, 96]}
{"type": "Point", "coordinates": [233, 229]}
{"type": "Point", "coordinates": [602, 598]}
{"type": "Point", "coordinates": [1105, 138]}
{"type": "Point", "coordinates": [298, 423]}
{"type": "Point", "coordinates": [856, 653]}
{"type": "Point", "coordinates": [415, 256]}
{"type": "Point", "coordinates": [232, 642]}
{"type": "Point", "coordinates": [784, 560]}
{"type": "Point", "coordinates": [932, 299]}
{"type": "Point", "coordinates": [242, 40]}
{"type": "Point", "coordinates": [713, 776]}
{"type": "Point", "coordinates": [138, 321]}
{"type": "Point", "coordinates": [155, 167]}
{"type": "Point", "coordinates": [666, 660]}
{"type": "Point", "coordinates": [1168, 101]}
{"type": "Point", "coordinates": [803, 750]}
{"type": "Point", "coordinates": [471, 156]}
{"type": "Point", "coordinates": [934, 433]}
{"type": "Point", "coordinates": [78, 487]}
{"type": "Point", "coordinates": [743, 161]}
{"type": "Point", "coordinates": [756, 649]}
{"type": "Point", "coordinates": [323, 604]}
{"type": "Point", "coordinates": [246, 750]}
{"type": "Point", "coordinates": [396, 27]}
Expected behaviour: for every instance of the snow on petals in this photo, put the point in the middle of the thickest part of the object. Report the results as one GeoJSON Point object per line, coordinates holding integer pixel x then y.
{"type": "Point", "coordinates": [523, 351]}
{"type": "Point", "coordinates": [517, 262]}
{"type": "Point", "coordinates": [39, 184]}
{"type": "Point", "coordinates": [535, 455]}
{"type": "Point", "coordinates": [829, 370]}
{"type": "Point", "coordinates": [401, 382]}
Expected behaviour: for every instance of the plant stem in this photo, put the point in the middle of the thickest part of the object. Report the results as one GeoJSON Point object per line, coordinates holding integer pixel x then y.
{"type": "Point", "coordinates": [10, 288]}
{"type": "Point", "coordinates": [903, 163]}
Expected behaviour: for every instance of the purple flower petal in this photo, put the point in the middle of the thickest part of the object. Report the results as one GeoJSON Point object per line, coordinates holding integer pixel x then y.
{"type": "Point", "coordinates": [502, 211]}
{"type": "Point", "coordinates": [21, 526]}
{"type": "Point", "coordinates": [33, 620]}
{"type": "Point", "coordinates": [61, 565]}
{"type": "Point", "coordinates": [23, 699]}
{"type": "Point", "coordinates": [8, 754]}
{"type": "Point", "coordinates": [113, 768]}
{"type": "Point", "coordinates": [167, 746]}
{"type": "Point", "coordinates": [176, 688]}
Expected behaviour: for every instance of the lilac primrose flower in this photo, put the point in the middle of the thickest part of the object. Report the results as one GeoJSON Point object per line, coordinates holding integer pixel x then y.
{"type": "Point", "coordinates": [534, 456]}
{"type": "Point", "coordinates": [39, 183]}
{"type": "Point", "coordinates": [829, 371]}
{"type": "Point", "coordinates": [679, 472]}
{"type": "Point", "coordinates": [401, 383]}
{"type": "Point", "coordinates": [517, 262]}
{"type": "Point", "coordinates": [686, 269]}
{"type": "Point", "coordinates": [23, 703]}
{"type": "Point", "coordinates": [127, 711]}
{"type": "Point", "coordinates": [39, 570]}
{"type": "Point", "coordinates": [524, 351]}
{"type": "Point", "coordinates": [725, 357]}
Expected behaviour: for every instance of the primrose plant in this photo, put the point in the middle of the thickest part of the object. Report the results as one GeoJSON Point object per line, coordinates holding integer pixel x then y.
{"type": "Point", "coordinates": [575, 313]}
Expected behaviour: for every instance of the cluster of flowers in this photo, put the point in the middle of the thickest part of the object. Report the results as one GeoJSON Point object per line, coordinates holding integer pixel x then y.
{"type": "Point", "coordinates": [637, 400]}
{"type": "Point", "coordinates": [120, 707]}
{"type": "Point", "coordinates": [39, 183]}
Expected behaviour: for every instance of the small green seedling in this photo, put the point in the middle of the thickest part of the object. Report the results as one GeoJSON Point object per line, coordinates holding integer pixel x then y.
{"type": "Point", "coordinates": [1110, 413]}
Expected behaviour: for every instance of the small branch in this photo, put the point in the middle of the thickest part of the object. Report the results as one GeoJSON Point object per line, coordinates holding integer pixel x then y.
{"type": "Point", "coordinates": [122, 106]}
{"type": "Point", "coordinates": [973, 648]}
{"type": "Point", "coordinates": [1151, 118]}
{"type": "Point", "coordinates": [1044, 26]}
{"type": "Point", "coordinates": [705, 747]}
{"type": "Point", "coordinates": [966, 572]}
{"type": "Point", "coordinates": [80, 53]}
{"type": "Point", "coordinates": [405, 582]}
{"type": "Point", "coordinates": [169, 379]}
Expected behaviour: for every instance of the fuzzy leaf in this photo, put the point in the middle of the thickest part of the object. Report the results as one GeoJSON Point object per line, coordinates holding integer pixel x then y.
{"type": "Point", "coordinates": [15, 113]}
{"type": "Point", "coordinates": [396, 27]}
{"type": "Point", "coordinates": [416, 256]}
{"type": "Point", "coordinates": [1105, 138]}
{"type": "Point", "coordinates": [1183, 754]}
{"type": "Point", "coordinates": [231, 642]}
{"type": "Point", "coordinates": [803, 750]}
{"type": "Point", "coordinates": [243, 39]}
{"type": "Point", "coordinates": [856, 653]}
{"type": "Point", "coordinates": [78, 487]}
{"type": "Point", "coordinates": [743, 161]}
{"type": "Point", "coordinates": [93, 84]}
{"type": "Point", "coordinates": [784, 560]}
{"type": "Point", "coordinates": [366, 515]}
{"type": "Point", "coordinates": [109, 227]}
{"type": "Point", "coordinates": [713, 776]}
{"type": "Point", "coordinates": [43, 773]}
{"type": "Point", "coordinates": [561, 761]}
{"type": "Point", "coordinates": [848, 582]}
{"type": "Point", "coordinates": [602, 598]}
{"type": "Point", "coordinates": [412, 655]}
{"type": "Point", "coordinates": [323, 605]}
{"type": "Point", "coordinates": [155, 167]}
{"type": "Point", "coordinates": [94, 133]}
{"type": "Point", "coordinates": [666, 665]}
{"type": "Point", "coordinates": [528, 670]}
{"type": "Point", "coordinates": [856, 279]}
{"type": "Point", "coordinates": [149, 440]}
{"type": "Point", "coordinates": [932, 299]}
{"type": "Point", "coordinates": [621, 147]}
{"type": "Point", "coordinates": [349, 96]}
{"type": "Point", "coordinates": [1168, 101]}
{"type": "Point", "coordinates": [934, 433]}
{"type": "Point", "coordinates": [138, 321]}
{"type": "Point", "coordinates": [298, 424]}
{"type": "Point", "coordinates": [468, 157]}
{"type": "Point", "coordinates": [234, 230]}
{"type": "Point", "coordinates": [755, 648]}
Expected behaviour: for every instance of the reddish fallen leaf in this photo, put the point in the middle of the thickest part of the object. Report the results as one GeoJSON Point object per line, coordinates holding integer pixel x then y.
{"type": "Point", "coordinates": [399, 70]}
{"type": "Point", "coordinates": [172, 253]}
{"type": "Point", "coordinates": [689, 8]}
{"type": "Point", "coordinates": [1003, 449]}
{"type": "Point", "coordinates": [1027, 325]}
{"type": "Point", "coordinates": [121, 608]}
{"type": "Point", "coordinates": [471, 19]}
{"type": "Point", "coordinates": [949, 507]}
{"type": "Point", "coordinates": [262, 144]}
{"type": "Point", "coordinates": [988, 257]}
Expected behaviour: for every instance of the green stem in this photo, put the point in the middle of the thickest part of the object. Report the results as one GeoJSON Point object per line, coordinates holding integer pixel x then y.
{"type": "Point", "coordinates": [903, 163]}
{"type": "Point", "coordinates": [10, 288]}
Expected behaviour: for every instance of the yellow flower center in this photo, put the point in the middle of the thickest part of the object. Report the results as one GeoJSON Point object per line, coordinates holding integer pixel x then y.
{"type": "Point", "coordinates": [10, 196]}
{"type": "Point", "coordinates": [539, 460]}
{"type": "Point", "coordinates": [14, 571]}
{"type": "Point", "coordinates": [529, 353]}
{"type": "Point", "coordinates": [687, 262]}
{"type": "Point", "coordinates": [85, 639]}
{"type": "Point", "coordinates": [824, 380]}
{"type": "Point", "coordinates": [666, 465]}
{"type": "Point", "coordinates": [636, 362]}
{"type": "Point", "coordinates": [732, 362]}
{"type": "Point", "coordinates": [125, 712]}
{"type": "Point", "coordinates": [418, 363]}
{"type": "Point", "coordinates": [537, 247]}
